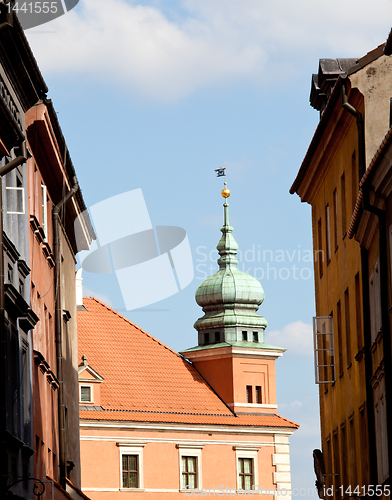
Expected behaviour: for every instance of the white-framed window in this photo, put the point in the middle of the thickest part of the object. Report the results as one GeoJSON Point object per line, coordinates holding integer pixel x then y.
{"type": "Point", "coordinates": [190, 466]}
{"type": "Point", "coordinates": [44, 211]}
{"type": "Point", "coordinates": [15, 200]}
{"type": "Point", "coordinates": [131, 466]}
{"type": "Point", "coordinates": [86, 393]}
{"type": "Point", "coordinates": [375, 301]}
{"type": "Point", "coordinates": [247, 467]}
{"type": "Point", "coordinates": [327, 233]}
{"type": "Point", "coordinates": [390, 251]}
{"type": "Point", "coordinates": [380, 416]}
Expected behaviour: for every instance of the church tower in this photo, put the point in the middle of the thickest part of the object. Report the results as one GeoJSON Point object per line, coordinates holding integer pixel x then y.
{"type": "Point", "coordinates": [231, 353]}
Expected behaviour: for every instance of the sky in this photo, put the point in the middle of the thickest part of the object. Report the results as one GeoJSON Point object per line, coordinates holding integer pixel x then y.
{"type": "Point", "coordinates": [158, 94]}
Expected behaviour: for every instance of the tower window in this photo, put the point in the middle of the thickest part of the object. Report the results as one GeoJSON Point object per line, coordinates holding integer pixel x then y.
{"type": "Point", "coordinates": [206, 338]}
{"type": "Point", "coordinates": [258, 394]}
{"type": "Point", "coordinates": [245, 336]}
{"type": "Point", "coordinates": [255, 336]}
{"type": "Point", "coordinates": [249, 398]}
{"type": "Point", "coordinates": [217, 337]}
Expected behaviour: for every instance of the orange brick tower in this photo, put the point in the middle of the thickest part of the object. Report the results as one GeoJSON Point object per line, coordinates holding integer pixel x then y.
{"type": "Point", "coordinates": [231, 353]}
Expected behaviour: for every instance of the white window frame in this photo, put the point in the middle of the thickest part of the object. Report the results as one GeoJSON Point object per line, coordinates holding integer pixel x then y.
{"type": "Point", "coordinates": [375, 301]}
{"type": "Point", "coordinates": [44, 206]}
{"type": "Point", "coordinates": [134, 449]}
{"type": "Point", "coordinates": [328, 234]}
{"type": "Point", "coordinates": [191, 450]}
{"type": "Point", "coordinates": [91, 386]}
{"type": "Point", "coordinates": [247, 452]}
{"type": "Point", "coordinates": [323, 341]}
{"type": "Point", "coordinates": [10, 188]}
{"type": "Point", "coordinates": [390, 251]}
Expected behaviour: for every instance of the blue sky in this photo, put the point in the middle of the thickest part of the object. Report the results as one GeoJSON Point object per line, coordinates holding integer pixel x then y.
{"type": "Point", "coordinates": [157, 94]}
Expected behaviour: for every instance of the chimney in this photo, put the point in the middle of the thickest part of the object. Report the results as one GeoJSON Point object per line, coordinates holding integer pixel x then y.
{"type": "Point", "coordinates": [79, 288]}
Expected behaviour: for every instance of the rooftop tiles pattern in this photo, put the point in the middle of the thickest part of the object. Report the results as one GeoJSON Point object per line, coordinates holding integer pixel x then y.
{"type": "Point", "coordinates": [140, 373]}
{"type": "Point", "coordinates": [253, 420]}
{"type": "Point", "coordinates": [146, 381]}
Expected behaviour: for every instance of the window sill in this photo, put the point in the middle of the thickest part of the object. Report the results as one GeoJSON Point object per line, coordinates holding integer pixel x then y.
{"type": "Point", "coordinates": [131, 489]}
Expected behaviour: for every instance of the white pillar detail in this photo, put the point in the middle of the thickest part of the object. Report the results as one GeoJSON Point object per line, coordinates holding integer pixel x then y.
{"type": "Point", "coordinates": [281, 461]}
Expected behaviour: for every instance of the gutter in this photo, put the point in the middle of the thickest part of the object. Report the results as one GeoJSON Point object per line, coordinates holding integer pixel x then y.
{"type": "Point", "coordinates": [317, 136]}
{"type": "Point", "coordinates": [360, 128]}
{"type": "Point", "coordinates": [59, 329]}
{"type": "Point", "coordinates": [360, 64]}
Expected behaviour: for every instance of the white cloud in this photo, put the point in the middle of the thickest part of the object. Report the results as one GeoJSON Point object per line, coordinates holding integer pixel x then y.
{"type": "Point", "coordinates": [206, 43]}
{"type": "Point", "coordinates": [87, 292]}
{"type": "Point", "coordinates": [294, 404]}
{"type": "Point", "coordinates": [296, 337]}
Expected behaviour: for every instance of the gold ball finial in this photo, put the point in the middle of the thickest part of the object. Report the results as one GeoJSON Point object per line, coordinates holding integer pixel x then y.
{"type": "Point", "coordinates": [225, 192]}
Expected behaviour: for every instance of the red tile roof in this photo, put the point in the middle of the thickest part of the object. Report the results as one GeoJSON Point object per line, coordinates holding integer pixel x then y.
{"type": "Point", "coordinates": [255, 420]}
{"type": "Point", "coordinates": [144, 380]}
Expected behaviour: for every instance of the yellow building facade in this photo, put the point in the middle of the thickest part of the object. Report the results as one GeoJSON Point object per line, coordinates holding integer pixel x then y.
{"type": "Point", "coordinates": [353, 97]}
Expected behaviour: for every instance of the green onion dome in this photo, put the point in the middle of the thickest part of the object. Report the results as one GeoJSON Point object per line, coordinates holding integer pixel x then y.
{"type": "Point", "coordinates": [230, 297]}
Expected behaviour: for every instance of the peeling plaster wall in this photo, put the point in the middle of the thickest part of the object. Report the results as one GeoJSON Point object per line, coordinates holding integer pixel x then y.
{"type": "Point", "coordinates": [375, 83]}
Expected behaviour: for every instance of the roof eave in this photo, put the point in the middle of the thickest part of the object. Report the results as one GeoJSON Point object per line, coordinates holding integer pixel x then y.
{"type": "Point", "coordinates": [317, 135]}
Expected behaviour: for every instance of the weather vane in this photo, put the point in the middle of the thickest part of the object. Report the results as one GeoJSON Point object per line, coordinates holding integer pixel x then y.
{"type": "Point", "coordinates": [221, 172]}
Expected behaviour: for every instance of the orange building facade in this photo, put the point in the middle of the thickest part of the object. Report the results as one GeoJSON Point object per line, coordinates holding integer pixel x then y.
{"type": "Point", "coordinates": [163, 424]}
{"type": "Point", "coordinates": [51, 180]}
{"type": "Point", "coordinates": [40, 200]}
{"type": "Point", "coordinates": [353, 97]}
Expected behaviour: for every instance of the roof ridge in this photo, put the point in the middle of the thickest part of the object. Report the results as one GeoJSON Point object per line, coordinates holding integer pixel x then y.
{"type": "Point", "coordinates": [288, 420]}
{"type": "Point", "coordinates": [110, 309]}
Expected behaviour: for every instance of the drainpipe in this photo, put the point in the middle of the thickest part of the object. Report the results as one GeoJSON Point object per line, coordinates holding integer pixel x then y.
{"type": "Point", "coordinates": [59, 329]}
{"type": "Point", "coordinates": [3, 340]}
{"type": "Point", "coordinates": [361, 130]}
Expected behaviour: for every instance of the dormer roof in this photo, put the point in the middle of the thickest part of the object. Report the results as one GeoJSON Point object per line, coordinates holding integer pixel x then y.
{"type": "Point", "coordinates": [87, 372]}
